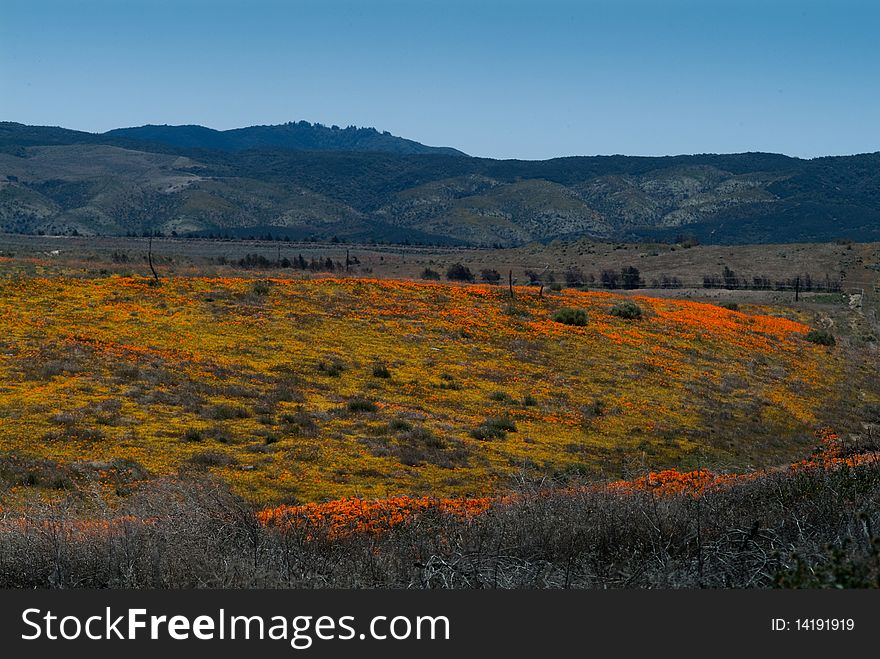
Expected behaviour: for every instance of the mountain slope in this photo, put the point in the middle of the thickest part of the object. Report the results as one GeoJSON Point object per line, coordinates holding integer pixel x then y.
{"type": "Point", "coordinates": [58, 181]}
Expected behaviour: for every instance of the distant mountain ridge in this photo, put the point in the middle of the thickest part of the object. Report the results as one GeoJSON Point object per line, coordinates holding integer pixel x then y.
{"type": "Point", "coordinates": [264, 181]}
{"type": "Point", "coordinates": [297, 136]}
{"type": "Point", "coordinates": [300, 136]}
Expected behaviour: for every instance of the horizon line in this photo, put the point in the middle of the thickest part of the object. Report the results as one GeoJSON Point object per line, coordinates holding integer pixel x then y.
{"type": "Point", "coordinates": [444, 146]}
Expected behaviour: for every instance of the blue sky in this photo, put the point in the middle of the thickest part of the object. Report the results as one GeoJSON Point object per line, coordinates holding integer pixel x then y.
{"type": "Point", "coordinates": [500, 79]}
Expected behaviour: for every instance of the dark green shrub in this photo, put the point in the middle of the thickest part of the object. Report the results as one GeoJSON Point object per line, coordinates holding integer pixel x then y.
{"type": "Point", "coordinates": [594, 409]}
{"type": "Point", "coordinates": [381, 371]}
{"type": "Point", "coordinates": [361, 405]}
{"type": "Point", "coordinates": [219, 433]}
{"type": "Point", "coordinates": [399, 425]}
{"type": "Point", "coordinates": [433, 275]}
{"type": "Point", "coordinates": [568, 316]}
{"type": "Point", "coordinates": [459, 272]}
{"type": "Point", "coordinates": [300, 423]}
{"type": "Point", "coordinates": [332, 367]}
{"type": "Point", "coordinates": [504, 423]}
{"type": "Point", "coordinates": [450, 385]}
{"type": "Point", "coordinates": [261, 288]}
{"type": "Point", "coordinates": [494, 428]}
{"type": "Point", "coordinates": [821, 336]}
{"type": "Point", "coordinates": [448, 382]}
{"type": "Point", "coordinates": [286, 392]}
{"type": "Point", "coordinates": [627, 309]}
{"type": "Point", "coordinates": [193, 435]}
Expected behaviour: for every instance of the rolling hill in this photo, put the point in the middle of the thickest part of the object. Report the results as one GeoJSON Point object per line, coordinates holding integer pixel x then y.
{"type": "Point", "coordinates": [330, 388]}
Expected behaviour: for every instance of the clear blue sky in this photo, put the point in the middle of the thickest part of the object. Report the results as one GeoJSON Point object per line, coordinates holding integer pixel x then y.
{"type": "Point", "coordinates": [500, 79]}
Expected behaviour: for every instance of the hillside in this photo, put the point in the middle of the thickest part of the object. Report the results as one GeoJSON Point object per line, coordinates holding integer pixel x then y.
{"type": "Point", "coordinates": [302, 390]}
{"type": "Point", "coordinates": [311, 182]}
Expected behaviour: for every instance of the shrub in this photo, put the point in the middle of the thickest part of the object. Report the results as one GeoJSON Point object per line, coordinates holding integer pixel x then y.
{"type": "Point", "coordinates": [821, 336]}
{"type": "Point", "coordinates": [361, 405]}
{"type": "Point", "coordinates": [594, 409]}
{"type": "Point", "coordinates": [627, 309]}
{"type": "Point", "coordinates": [568, 316]}
{"type": "Point", "coordinates": [332, 367]}
{"type": "Point", "coordinates": [261, 288]}
{"type": "Point", "coordinates": [485, 433]}
{"type": "Point", "coordinates": [448, 382]}
{"type": "Point", "coordinates": [220, 434]}
{"type": "Point", "coordinates": [433, 275]}
{"type": "Point", "coordinates": [500, 396]}
{"type": "Point", "coordinates": [494, 428]}
{"type": "Point", "coordinates": [490, 276]}
{"type": "Point", "coordinates": [504, 423]}
{"type": "Point", "coordinates": [422, 446]}
{"type": "Point", "coordinates": [193, 435]}
{"type": "Point", "coordinates": [300, 423]}
{"type": "Point", "coordinates": [225, 411]}
{"type": "Point", "coordinates": [459, 272]}
{"type": "Point", "coordinates": [286, 392]}
{"type": "Point", "coordinates": [529, 400]}
{"type": "Point", "coordinates": [381, 371]}
{"type": "Point", "coordinates": [416, 446]}
{"type": "Point", "coordinates": [399, 425]}
{"type": "Point", "coordinates": [426, 438]}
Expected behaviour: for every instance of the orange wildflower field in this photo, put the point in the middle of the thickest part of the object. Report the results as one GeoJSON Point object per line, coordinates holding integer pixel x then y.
{"type": "Point", "coordinates": [299, 391]}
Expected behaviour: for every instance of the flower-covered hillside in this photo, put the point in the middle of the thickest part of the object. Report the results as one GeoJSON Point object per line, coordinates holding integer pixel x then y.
{"type": "Point", "coordinates": [306, 390]}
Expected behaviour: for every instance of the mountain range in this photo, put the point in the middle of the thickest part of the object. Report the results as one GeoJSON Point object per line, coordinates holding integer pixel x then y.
{"type": "Point", "coordinates": [309, 181]}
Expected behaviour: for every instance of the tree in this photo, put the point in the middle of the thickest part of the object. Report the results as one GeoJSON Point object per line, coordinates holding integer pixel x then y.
{"type": "Point", "coordinates": [730, 280]}
{"type": "Point", "coordinates": [459, 272]}
{"type": "Point", "coordinates": [534, 277]}
{"type": "Point", "coordinates": [490, 276]}
{"type": "Point", "coordinates": [150, 260]}
{"type": "Point", "coordinates": [630, 277]}
{"type": "Point", "coordinates": [610, 279]}
{"type": "Point", "coordinates": [574, 276]}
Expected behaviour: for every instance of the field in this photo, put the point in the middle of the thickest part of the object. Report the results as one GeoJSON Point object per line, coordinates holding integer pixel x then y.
{"type": "Point", "coordinates": [327, 388]}
{"type": "Point", "coordinates": [368, 402]}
